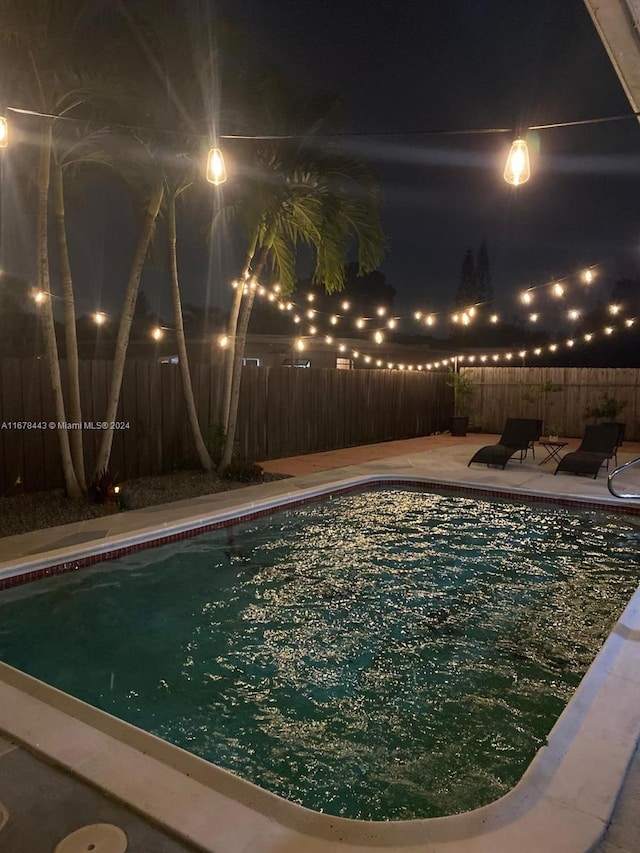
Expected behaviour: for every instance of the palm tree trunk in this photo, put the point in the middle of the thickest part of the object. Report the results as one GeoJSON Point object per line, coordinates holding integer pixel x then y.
{"type": "Point", "coordinates": [232, 329]}
{"type": "Point", "coordinates": [72, 487]}
{"type": "Point", "coordinates": [75, 406]}
{"type": "Point", "coordinates": [124, 328]}
{"type": "Point", "coordinates": [187, 387]}
{"type": "Point", "coordinates": [241, 340]}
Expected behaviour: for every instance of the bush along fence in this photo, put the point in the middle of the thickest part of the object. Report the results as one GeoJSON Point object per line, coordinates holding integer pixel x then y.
{"type": "Point", "coordinates": [283, 411]}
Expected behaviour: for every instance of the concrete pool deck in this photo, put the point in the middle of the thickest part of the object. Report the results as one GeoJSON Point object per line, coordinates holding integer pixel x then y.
{"type": "Point", "coordinates": [437, 459]}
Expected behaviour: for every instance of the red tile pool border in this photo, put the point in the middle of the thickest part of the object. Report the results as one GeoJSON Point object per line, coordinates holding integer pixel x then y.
{"type": "Point", "coordinates": [93, 559]}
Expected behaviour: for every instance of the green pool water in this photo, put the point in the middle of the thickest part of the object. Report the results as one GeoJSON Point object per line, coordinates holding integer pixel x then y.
{"type": "Point", "coordinates": [384, 655]}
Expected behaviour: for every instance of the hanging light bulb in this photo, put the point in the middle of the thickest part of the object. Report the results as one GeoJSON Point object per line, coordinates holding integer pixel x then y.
{"type": "Point", "coordinates": [418, 315]}
{"type": "Point", "coordinates": [614, 309]}
{"type": "Point", "coordinates": [99, 318]}
{"type": "Point", "coordinates": [312, 330]}
{"type": "Point", "coordinates": [533, 318]}
{"type": "Point", "coordinates": [378, 337]}
{"type": "Point", "coordinates": [493, 318]}
{"type": "Point", "coordinates": [310, 297]}
{"type": "Point", "coordinates": [381, 311]}
{"type": "Point", "coordinates": [360, 323]}
{"type": "Point", "coordinates": [526, 297]}
{"type": "Point", "coordinates": [223, 341]}
{"type": "Point", "coordinates": [311, 313]}
{"type": "Point", "coordinates": [333, 320]}
{"type": "Point", "coordinates": [430, 320]}
{"type": "Point", "coordinates": [300, 344]}
{"type": "Point", "coordinates": [296, 319]}
{"type": "Point", "coordinates": [216, 170]}
{"type": "Point", "coordinates": [4, 132]}
{"type": "Point", "coordinates": [518, 168]}
{"type": "Point", "coordinates": [392, 323]}
{"type": "Point", "coordinates": [346, 306]}
{"type": "Point", "coordinates": [328, 339]}
{"type": "Point", "coordinates": [558, 289]}
{"type": "Point", "coordinates": [587, 276]}
{"type": "Point", "coordinates": [573, 314]}
{"type": "Point", "coordinates": [38, 296]}
{"type": "Point", "coordinates": [276, 288]}
{"type": "Point", "coordinates": [608, 330]}
{"type": "Point", "coordinates": [570, 342]}
{"type": "Point", "coordinates": [156, 333]}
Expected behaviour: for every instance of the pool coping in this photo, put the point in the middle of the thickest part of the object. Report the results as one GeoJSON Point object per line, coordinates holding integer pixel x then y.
{"type": "Point", "coordinates": [563, 801]}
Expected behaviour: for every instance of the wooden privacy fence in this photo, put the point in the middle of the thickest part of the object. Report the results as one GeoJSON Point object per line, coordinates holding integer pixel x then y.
{"type": "Point", "coordinates": [282, 411]}
{"type": "Point", "coordinates": [498, 394]}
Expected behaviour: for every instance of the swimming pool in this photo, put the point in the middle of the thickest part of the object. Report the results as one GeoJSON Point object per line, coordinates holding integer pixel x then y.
{"type": "Point", "coordinates": [243, 649]}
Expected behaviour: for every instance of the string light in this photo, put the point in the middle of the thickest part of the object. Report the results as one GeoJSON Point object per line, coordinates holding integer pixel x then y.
{"type": "Point", "coordinates": [300, 344]}
{"type": "Point", "coordinates": [99, 318]}
{"type": "Point", "coordinates": [378, 337]}
{"type": "Point", "coordinates": [526, 297]}
{"type": "Point", "coordinates": [276, 288]}
{"type": "Point", "coordinates": [381, 311]}
{"type": "Point", "coordinates": [311, 313]}
{"type": "Point", "coordinates": [493, 318]}
{"type": "Point", "coordinates": [310, 297]}
{"type": "Point", "coordinates": [333, 320]}
{"type": "Point", "coordinates": [359, 323]}
{"type": "Point", "coordinates": [587, 276]}
{"type": "Point", "coordinates": [328, 339]}
{"type": "Point", "coordinates": [614, 309]}
{"type": "Point", "coordinates": [558, 289]}
{"type": "Point", "coordinates": [392, 323]}
{"type": "Point", "coordinates": [534, 318]}
{"type": "Point", "coordinates": [296, 319]}
{"type": "Point", "coordinates": [216, 169]}
{"type": "Point", "coordinates": [346, 306]}
{"type": "Point", "coordinates": [157, 333]}
{"type": "Point", "coordinates": [38, 296]}
{"type": "Point", "coordinates": [223, 341]}
{"type": "Point", "coordinates": [573, 314]}
{"type": "Point", "coordinates": [418, 315]}
{"type": "Point", "coordinates": [312, 330]}
{"type": "Point", "coordinates": [517, 169]}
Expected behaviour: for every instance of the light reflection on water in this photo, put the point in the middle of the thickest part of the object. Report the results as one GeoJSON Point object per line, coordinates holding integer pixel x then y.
{"type": "Point", "coordinates": [384, 655]}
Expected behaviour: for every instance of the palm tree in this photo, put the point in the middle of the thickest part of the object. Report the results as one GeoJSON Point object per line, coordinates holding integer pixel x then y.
{"type": "Point", "coordinates": [299, 195]}
{"type": "Point", "coordinates": [41, 62]}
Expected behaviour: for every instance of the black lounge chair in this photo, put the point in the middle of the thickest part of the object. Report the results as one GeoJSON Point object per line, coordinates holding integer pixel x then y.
{"type": "Point", "coordinates": [599, 444]}
{"type": "Point", "coordinates": [518, 435]}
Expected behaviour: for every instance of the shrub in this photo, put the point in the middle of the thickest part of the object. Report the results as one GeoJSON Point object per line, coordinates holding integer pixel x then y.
{"type": "Point", "coordinates": [243, 472]}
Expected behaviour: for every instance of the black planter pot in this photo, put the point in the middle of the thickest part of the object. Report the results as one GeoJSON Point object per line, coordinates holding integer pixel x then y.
{"type": "Point", "coordinates": [459, 424]}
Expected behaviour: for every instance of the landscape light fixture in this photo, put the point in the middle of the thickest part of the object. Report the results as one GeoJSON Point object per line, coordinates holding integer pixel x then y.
{"type": "Point", "coordinates": [4, 132]}
{"type": "Point", "coordinates": [216, 170]}
{"type": "Point", "coordinates": [517, 170]}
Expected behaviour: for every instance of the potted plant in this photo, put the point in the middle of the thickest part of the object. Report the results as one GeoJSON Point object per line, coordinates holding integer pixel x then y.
{"type": "Point", "coordinates": [532, 394]}
{"type": "Point", "coordinates": [462, 384]}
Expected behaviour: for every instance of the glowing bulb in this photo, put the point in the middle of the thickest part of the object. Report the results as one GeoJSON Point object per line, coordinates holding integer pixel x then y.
{"type": "Point", "coordinates": [296, 319]}
{"type": "Point", "coordinates": [430, 320]}
{"type": "Point", "coordinates": [216, 171]}
{"type": "Point", "coordinates": [509, 356]}
{"type": "Point", "coordinates": [410, 367]}
{"type": "Point", "coordinates": [4, 132]}
{"type": "Point", "coordinates": [533, 318]}
{"type": "Point", "coordinates": [608, 330]}
{"type": "Point", "coordinates": [588, 337]}
{"type": "Point", "coordinates": [526, 297]}
{"type": "Point", "coordinates": [300, 344]}
{"type": "Point", "coordinates": [312, 330]}
{"type": "Point", "coordinates": [346, 306]}
{"type": "Point", "coordinates": [570, 342]}
{"type": "Point", "coordinates": [271, 296]}
{"type": "Point", "coordinates": [558, 289]}
{"type": "Point", "coordinates": [587, 276]}
{"type": "Point", "coordinates": [522, 353]}
{"type": "Point", "coordinates": [401, 367]}
{"type": "Point", "coordinates": [472, 358]}
{"type": "Point", "coordinates": [483, 358]}
{"type": "Point", "coordinates": [156, 333]}
{"type": "Point", "coordinates": [276, 288]}
{"type": "Point", "coordinates": [614, 309]}
{"type": "Point", "coordinates": [367, 359]}
{"type": "Point", "coordinates": [537, 350]}
{"type": "Point", "coordinates": [311, 313]}
{"type": "Point", "coordinates": [342, 348]}
{"type": "Point", "coordinates": [628, 323]}
{"type": "Point", "coordinates": [553, 347]}
{"type": "Point", "coordinates": [328, 339]}
{"type": "Point", "coordinates": [465, 319]}
{"type": "Point", "coordinates": [356, 354]}
{"type": "Point", "coordinates": [234, 284]}
{"type": "Point", "coordinates": [518, 168]}
{"type": "Point", "coordinates": [38, 296]}
{"type": "Point", "coordinates": [333, 320]}
{"type": "Point", "coordinates": [381, 311]}
{"type": "Point", "coordinates": [310, 297]}
{"type": "Point", "coordinates": [392, 323]}
{"type": "Point", "coordinates": [418, 315]}
{"type": "Point", "coordinates": [390, 365]}
{"type": "Point", "coordinates": [281, 306]}
{"type": "Point", "coordinates": [359, 323]}
{"type": "Point", "coordinates": [455, 318]}
{"type": "Point", "coordinates": [419, 367]}
{"type": "Point", "coordinates": [574, 314]}
{"type": "Point", "coordinates": [289, 306]}
{"type": "Point", "coordinates": [261, 291]}
{"type": "Point", "coordinates": [99, 318]}
{"type": "Point", "coordinates": [493, 318]}
{"type": "Point", "coordinates": [378, 363]}
{"type": "Point", "coordinates": [223, 341]}
{"type": "Point", "coordinates": [378, 337]}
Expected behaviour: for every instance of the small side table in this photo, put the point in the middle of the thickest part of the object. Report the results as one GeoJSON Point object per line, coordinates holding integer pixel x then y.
{"type": "Point", "coordinates": [553, 449]}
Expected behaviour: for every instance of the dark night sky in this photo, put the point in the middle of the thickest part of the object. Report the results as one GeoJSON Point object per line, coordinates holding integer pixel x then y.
{"type": "Point", "coordinates": [458, 64]}
{"type": "Point", "coordinates": [404, 65]}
